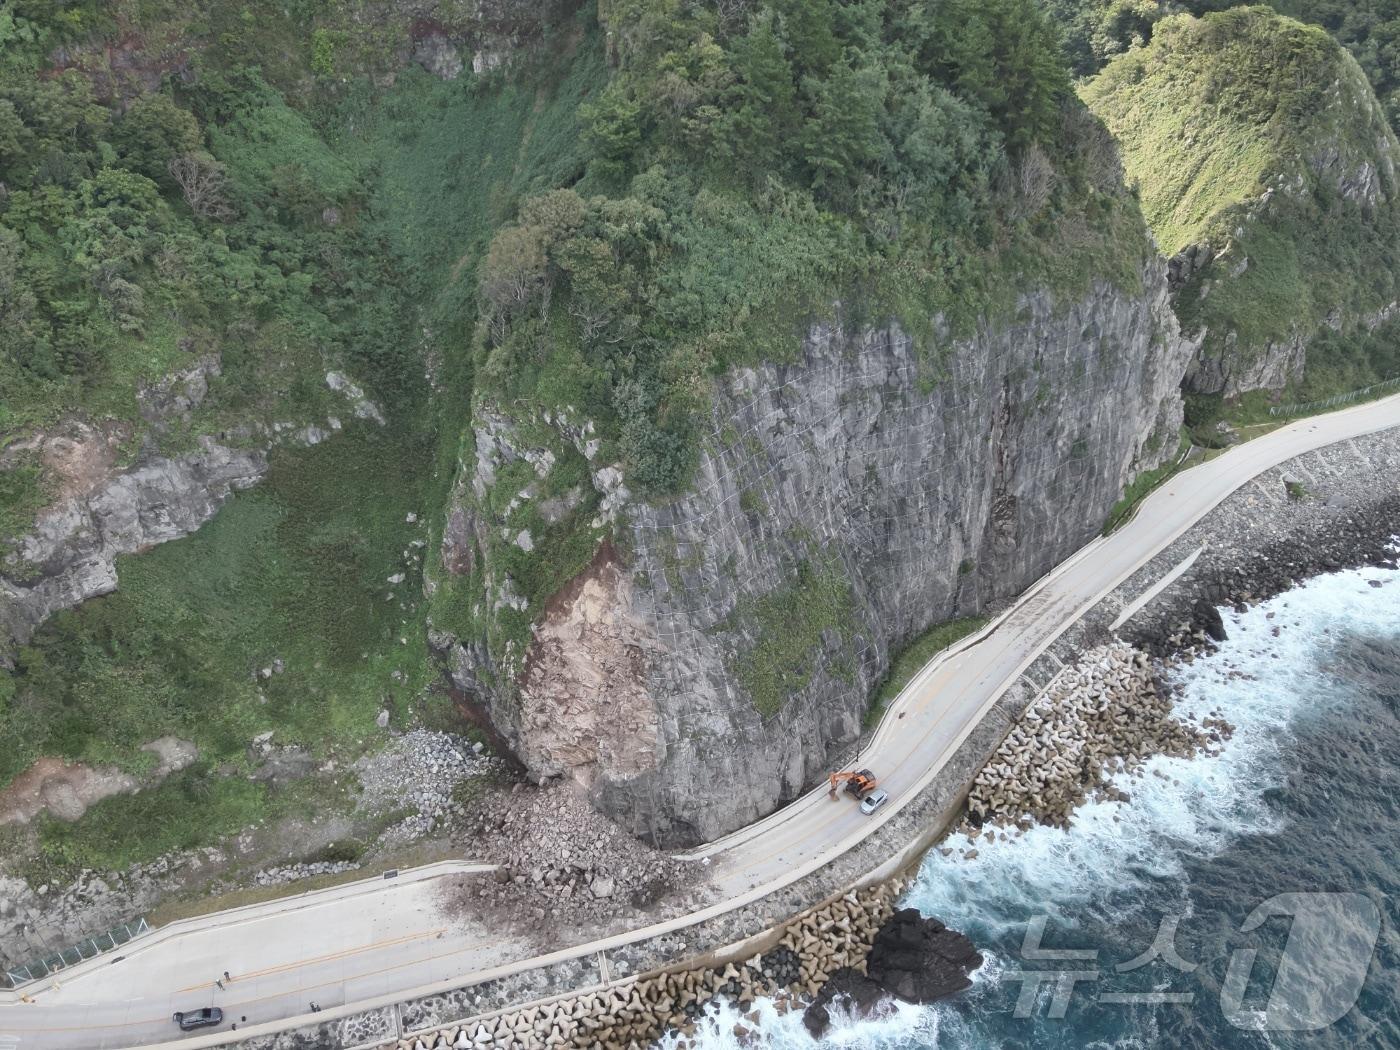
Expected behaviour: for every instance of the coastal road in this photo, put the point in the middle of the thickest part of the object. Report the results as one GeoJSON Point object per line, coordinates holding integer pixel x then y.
{"type": "Point", "coordinates": [350, 942]}
{"type": "Point", "coordinates": [942, 705]}
{"type": "Point", "coordinates": [413, 949]}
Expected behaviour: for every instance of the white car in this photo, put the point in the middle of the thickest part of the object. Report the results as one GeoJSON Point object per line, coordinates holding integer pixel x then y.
{"type": "Point", "coordinates": [874, 801]}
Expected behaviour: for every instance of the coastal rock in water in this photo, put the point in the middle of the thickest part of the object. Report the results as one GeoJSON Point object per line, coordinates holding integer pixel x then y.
{"type": "Point", "coordinates": [1207, 617]}
{"type": "Point", "coordinates": [915, 959]}
{"type": "Point", "coordinates": [920, 960]}
{"type": "Point", "coordinates": [856, 993]}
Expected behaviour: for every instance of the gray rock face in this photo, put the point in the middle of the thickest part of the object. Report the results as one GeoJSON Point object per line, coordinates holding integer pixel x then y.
{"type": "Point", "coordinates": [438, 55]}
{"type": "Point", "coordinates": [928, 487]}
{"type": "Point", "coordinates": [1230, 371]}
{"type": "Point", "coordinates": [71, 554]}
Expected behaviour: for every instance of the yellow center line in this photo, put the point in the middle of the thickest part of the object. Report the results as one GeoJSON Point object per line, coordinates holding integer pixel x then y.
{"type": "Point", "coordinates": [330, 957]}
{"type": "Point", "coordinates": [262, 998]}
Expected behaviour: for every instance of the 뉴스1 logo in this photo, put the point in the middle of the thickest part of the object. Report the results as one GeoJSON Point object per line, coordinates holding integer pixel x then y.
{"type": "Point", "coordinates": [1324, 963]}
{"type": "Point", "coordinates": [1319, 976]}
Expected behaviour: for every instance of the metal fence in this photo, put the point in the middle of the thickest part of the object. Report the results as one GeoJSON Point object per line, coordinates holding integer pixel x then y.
{"type": "Point", "coordinates": [90, 948]}
{"type": "Point", "coordinates": [1333, 402]}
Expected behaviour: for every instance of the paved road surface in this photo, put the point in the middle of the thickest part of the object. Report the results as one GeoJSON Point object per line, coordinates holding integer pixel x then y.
{"type": "Point", "coordinates": [355, 952]}
{"type": "Point", "coordinates": [349, 943]}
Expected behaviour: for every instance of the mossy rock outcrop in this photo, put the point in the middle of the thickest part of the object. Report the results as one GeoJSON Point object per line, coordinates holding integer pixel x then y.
{"type": "Point", "coordinates": [1266, 170]}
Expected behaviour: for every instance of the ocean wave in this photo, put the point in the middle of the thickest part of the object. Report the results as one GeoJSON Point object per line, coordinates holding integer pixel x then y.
{"type": "Point", "coordinates": [1287, 662]}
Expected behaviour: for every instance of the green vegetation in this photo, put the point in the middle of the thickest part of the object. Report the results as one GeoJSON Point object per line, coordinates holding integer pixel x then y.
{"type": "Point", "coordinates": [453, 160]}
{"type": "Point", "coordinates": [289, 233]}
{"type": "Point", "coordinates": [1215, 108]}
{"type": "Point", "coordinates": [746, 174]}
{"type": "Point", "coordinates": [190, 809]}
{"type": "Point", "coordinates": [914, 656]}
{"type": "Point", "coordinates": [1094, 31]}
{"type": "Point", "coordinates": [790, 623]}
{"type": "Point", "coordinates": [296, 569]}
{"type": "Point", "coordinates": [1142, 486]}
{"type": "Point", "coordinates": [110, 278]}
{"type": "Point", "coordinates": [22, 495]}
{"type": "Point", "coordinates": [1225, 122]}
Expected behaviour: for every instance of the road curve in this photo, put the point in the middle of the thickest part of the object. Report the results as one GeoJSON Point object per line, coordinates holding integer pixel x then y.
{"type": "Point", "coordinates": [939, 708]}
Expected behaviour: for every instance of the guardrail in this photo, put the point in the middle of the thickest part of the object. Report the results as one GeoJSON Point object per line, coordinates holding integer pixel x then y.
{"type": "Point", "coordinates": [1332, 402]}
{"type": "Point", "coordinates": [90, 948]}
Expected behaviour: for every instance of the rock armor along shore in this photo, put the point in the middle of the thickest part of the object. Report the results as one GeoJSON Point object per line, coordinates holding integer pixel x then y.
{"type": "Point", "coordinates": [1106, 713]}
{"type": "Point", "coordinates": [858, 936]}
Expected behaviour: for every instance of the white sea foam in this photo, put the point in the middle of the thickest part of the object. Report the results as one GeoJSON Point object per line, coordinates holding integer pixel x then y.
{"type": "Point", "coordinates": [1178, 808]}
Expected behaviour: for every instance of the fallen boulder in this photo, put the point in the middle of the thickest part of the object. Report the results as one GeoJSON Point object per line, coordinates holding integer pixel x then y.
{"type": "Point", "coordinates": [915, 959]}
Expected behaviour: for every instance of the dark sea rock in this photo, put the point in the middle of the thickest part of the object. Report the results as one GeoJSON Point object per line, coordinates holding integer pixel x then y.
{"type": "Point", "coordinates": [1238, 574]}
{"type": "Point", "coordinates": [913, 958]}
{"type": "Point", "coordinates": [858, 993]}
{"type": "Point", "coordinates": [1207, 617]}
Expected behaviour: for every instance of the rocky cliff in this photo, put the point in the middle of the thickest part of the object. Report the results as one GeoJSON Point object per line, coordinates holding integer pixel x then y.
{"type": "Point", "coordinates": [705, 666]}
{"type": "Point", "coordinates": [1266, 170]}
{"type": "Point", "coordinates": [104, 509]}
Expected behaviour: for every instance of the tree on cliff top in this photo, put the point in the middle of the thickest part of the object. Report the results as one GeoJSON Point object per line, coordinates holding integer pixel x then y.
{"type": "Point", "coordinates": [810, 153]}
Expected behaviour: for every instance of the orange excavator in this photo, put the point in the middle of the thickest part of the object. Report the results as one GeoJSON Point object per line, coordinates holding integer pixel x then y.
{"type": "Point", "coordinates": [859, 783]}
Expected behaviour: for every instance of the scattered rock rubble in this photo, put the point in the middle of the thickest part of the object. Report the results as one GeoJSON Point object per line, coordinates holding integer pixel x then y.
{"type": "Point", "coordinates": [296, 872]}
{"type": "Point", "coordinates": [834, 938]}
{"type": "Point", "coordinates": [559, 856]}
{"type": "Point", "coordinates": [420, 771]}
{"type": "Point", "coordinates": [1102, 715]}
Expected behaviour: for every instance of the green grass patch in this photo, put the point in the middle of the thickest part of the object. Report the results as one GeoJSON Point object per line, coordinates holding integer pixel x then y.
{"type": "Point", "coordinates": [789, 623]}
{"type": "Point", "coordinates": [22, 495]}
{"type": "Point", "coordinates": [295, 569]}
{"type": "Point", "coordinates": [1141, 486]}
{"type": "Point", "coordinates": [453, 159]}
{"type": "Point", "coordinates": [1211, 109]}
{"type": "Point", "coordinates": [914, 656]}
{"type": "Point", "coordinates": [190, 809]}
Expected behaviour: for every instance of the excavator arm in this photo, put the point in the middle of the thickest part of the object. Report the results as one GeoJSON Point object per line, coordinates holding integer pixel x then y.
{"type": "Point", "coordinates": [858, 783]}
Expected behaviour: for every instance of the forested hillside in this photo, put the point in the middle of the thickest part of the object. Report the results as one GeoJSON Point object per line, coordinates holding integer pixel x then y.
{"type": "Point", "coordinates": [1267, 168]}
{"type": "Point", "coordinates": [747, 173]}
{"type": "Point", "coordinates": [347, 344]}
{"type": "Point", "coordinates": [205, 214]}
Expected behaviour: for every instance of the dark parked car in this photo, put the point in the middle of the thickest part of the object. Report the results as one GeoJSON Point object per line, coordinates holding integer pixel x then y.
{"type": "Point", "coordinates": [189, 1020]}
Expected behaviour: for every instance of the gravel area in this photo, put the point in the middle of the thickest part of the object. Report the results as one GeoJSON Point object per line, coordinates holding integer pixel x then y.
{"type": "Point", "coordinates": [560, 858]}
{"type": "Point", "coordinates": [421, 772]}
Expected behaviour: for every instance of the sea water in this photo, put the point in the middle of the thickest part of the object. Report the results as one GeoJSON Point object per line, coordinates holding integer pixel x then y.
{"type": "Point", "coordinates": [1294, 828]}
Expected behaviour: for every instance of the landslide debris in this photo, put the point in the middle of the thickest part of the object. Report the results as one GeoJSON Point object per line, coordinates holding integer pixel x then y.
{"type": "Point", "coordinates": [560, 858]}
